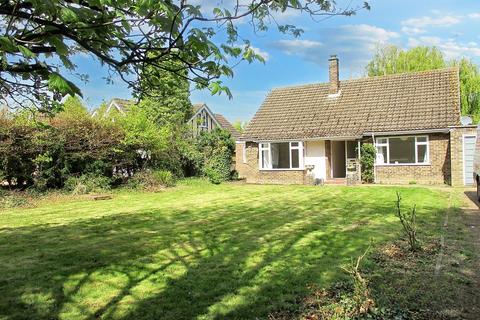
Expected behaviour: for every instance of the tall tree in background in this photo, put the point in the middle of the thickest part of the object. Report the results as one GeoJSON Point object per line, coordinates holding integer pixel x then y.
{"type": "Point", "coordinates": [166, 96]}
{"type": "Point", "coordinates": [39, 38]}
{"type": "Point", "coordinates": [391, 59]}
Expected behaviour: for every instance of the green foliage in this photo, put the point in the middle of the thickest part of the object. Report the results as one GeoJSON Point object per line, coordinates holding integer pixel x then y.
{"type": "Point", "coordinates": [13, 200]}
{"type": "Point", "coordinates": [44, 34]}
{"type": "Point", "coordinates": [240, 125]}
{"type": "Point", "coordinates": [217, 148]}
{"type": "Point", "coordinates": [409, 223]}
{"type": "Point", "coordinates": [87, 183]}
{"type": "Point", "coordinates": [166, 96]}
{"type": "Point", "coordinates": [45, 154]}
{"type": "Point", "coordinates": [469, 88]}
{"type": "Point", "coordinates": [151, 180]}
{"type": "Point", "coordinates": [391, 60]}
{"type": "Point", "coordinates": [367, 162]}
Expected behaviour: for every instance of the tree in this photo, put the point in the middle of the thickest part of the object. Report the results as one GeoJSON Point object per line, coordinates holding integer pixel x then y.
{"type": "Point", "coordinates": [40, 38]}
{"type": "Point", "coordinates": [391, 59]}
{"type": "Point", "coordinates": [240, 125]}
{"type": "Point", "coordinates": [469, 88]}
{"type": "Point", "coordinates": [167, 96]}
{"type": "Point", "coordinates": [74, 107]}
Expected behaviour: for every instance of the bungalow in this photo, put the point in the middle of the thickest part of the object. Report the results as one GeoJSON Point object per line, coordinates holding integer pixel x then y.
{"type": "Point", "coordinates": [313, 133]}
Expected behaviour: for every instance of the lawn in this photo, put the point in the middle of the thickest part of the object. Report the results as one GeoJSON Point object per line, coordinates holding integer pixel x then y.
{"type": "Point", "coordinates": [196, 251]}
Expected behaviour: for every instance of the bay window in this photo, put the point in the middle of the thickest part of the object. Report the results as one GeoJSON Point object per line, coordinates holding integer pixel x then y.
{"type": "Point", "coordinates": [281, 155]}
{"type": "Point", "coordinates": [402, 150]}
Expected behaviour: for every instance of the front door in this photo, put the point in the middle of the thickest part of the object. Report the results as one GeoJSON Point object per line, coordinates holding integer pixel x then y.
{"type": "Point", "coordinates": [338, 159]}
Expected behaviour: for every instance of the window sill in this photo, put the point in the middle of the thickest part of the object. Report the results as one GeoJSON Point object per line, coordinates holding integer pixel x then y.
{"type": "Point", "coordinates": [403, 164]}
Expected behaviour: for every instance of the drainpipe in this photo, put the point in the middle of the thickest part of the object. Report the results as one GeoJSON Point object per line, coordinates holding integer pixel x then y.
{"type": "Point", "coordinates": [359, 161]}
{"type": "Point", "coordinates": [374, 160]}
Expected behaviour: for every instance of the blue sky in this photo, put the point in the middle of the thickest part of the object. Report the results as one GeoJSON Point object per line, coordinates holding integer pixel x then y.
{"type": "Point", "coordinates": [452, 26]}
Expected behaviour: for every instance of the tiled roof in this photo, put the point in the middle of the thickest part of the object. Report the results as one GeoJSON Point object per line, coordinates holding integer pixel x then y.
{"type": "Point", "coordinates": [226, 125]}
{"type": "Point", "coordinates": [196, 107]}
{"type": "Point", "coordinates": [123, 104]}
{"type": "Point", "coordinates": [411, 101]}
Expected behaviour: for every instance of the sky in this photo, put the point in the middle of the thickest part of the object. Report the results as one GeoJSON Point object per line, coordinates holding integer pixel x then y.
{"type": "Point", "coordinates": [451, 26]}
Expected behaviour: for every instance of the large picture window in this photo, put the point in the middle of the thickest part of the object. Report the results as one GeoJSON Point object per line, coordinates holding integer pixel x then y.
{"type": "Point", "coordinates": [402, 150]}
{"type": "Point", "coordinates": [281, 155]}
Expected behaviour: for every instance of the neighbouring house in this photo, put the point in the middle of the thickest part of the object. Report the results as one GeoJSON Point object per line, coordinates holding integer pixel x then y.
{"type": "Point", "coordinates": [116, 106]}
{"type": "Point", "coordinates": [312, 133]}
{"type": "Point", "coordinates": [203, 119]}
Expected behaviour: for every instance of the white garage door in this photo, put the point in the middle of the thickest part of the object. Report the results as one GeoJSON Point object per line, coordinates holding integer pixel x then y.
{"type": "Point", "coordinates": [468, 154]}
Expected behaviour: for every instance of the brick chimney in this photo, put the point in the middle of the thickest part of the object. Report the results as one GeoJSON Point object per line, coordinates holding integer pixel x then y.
{"type": "Point", "coordinates": [333, 75]}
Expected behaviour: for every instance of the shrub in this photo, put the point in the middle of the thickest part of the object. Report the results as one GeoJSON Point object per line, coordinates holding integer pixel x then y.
{"type": "Point", "coordinates": [217, 148]}
{"type": "Point", "coordinates": [218, 167]}
{"type": "Point", "coordinates": [87, 183]}
{"type": "Point", "coordinates": [151, 180]}
{"type": "Point", "coordinates": [12, 200]}
{"type": "Point", "coordinates": [367, 160]}
{"type": "Point", "coordinates": [164, 177]}
{"type": "Point", "coordinates": [409, 223]}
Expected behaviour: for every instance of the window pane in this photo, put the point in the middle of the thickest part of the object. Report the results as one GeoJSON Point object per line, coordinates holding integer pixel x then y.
{"type": "Point", "coordinates": [295, 158]}
{"type": "Point", "coordinates": [294, 144]}
{"type": "Point", "coordinates": [280, 155]}
{"type": "Point", "coordinates": [402, 150]}
{"type": "Point", "coordinates": [421, 139]}
{"type": "Point", "coordinates": [422, 153]}
{"type": "Point", "coordinates": [265, 160]}
{"type": "Point", "coordinates": [382, 140]}
{"type": "Point", "coordinates": [263, 145]}
{"type": "Point", "coordinates": [381, 155]}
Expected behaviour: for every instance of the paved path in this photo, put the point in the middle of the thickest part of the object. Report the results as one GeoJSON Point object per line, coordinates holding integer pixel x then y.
{"type": "Point", "coordinates": [472, 222]}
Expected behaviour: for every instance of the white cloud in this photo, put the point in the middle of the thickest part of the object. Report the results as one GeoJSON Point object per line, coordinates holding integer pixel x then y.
{"type": "Point", "coordinates": [412, 30]}
{"type": "Point", "coordinates": [450, 47]}
{"type": "Point", "coordinates": [423, 22]}
{"type": "Point", "coordinates": [261, 53]}
{"type": "Point", "coordinates": [354, 44]}
{"type": "Point", "coordinates": [474, 15]}
{"type": "Point", "coordinates": [296, 46]}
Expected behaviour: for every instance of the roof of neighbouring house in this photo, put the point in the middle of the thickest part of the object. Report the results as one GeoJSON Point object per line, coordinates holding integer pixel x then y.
{"type": "Point", "coordinates": [196, 107]}
{"type": "Point", "coordinates": [402, 102]}
{"type": "Point", "coordinates": [226, 125]}
{"type": "Point", "coordinates": [122, 104]}
{"type": "Point", "coordinates": [222, 121]}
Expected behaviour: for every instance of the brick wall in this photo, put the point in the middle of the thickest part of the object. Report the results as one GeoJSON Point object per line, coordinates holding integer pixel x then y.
{"type": "Point", "coordinates": [438, 172]}
{"type": "Point", "coordinates": [250, 172]}
{"type": "Point", "coordinates": [446, 164]}
{"type": "Point", "coordinates": [456, 146]}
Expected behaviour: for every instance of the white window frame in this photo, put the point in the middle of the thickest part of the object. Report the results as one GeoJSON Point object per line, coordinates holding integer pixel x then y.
{"type": "Point", "coordinates": [417, 143]}
{"type": "Point", "coordinates": [268, 148]}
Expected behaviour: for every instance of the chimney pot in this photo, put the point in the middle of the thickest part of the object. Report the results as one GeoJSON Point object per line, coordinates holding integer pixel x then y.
{"type": "Point", "coordinates": [333, 74]}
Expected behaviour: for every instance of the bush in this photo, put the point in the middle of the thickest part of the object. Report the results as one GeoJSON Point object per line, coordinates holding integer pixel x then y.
{"type": "Point", "coordinates": [12, 200]}
{"type": "Point", "coordinates": [367, 161]}
{"type": "Point", "coordinates": [87, 183]}
{"type": "Point", "coordinates": [218, 167]}
{"type": "Point", "coordinates": [151, 180]}
{"type": "Point", "coordinates": [217, 149]}
{"type": "Point", "coordinates": [409, 223]}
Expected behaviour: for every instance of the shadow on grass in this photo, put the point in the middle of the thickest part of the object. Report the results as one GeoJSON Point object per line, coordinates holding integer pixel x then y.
{"type": "Point", "coordinates": [223, 260]}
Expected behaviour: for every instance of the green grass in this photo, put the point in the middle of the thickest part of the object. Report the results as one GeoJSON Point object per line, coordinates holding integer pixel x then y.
{"type": "Point", "coordinates": [197, 251]}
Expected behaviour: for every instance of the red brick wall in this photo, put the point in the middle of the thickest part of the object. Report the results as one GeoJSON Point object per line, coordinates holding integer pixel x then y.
{"type": "Point", "coordinates": [437, 172]}
{"type": "Point", "coordinates": [252, 174]}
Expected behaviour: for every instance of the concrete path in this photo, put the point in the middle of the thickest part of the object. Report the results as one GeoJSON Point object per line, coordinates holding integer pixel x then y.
{"type": "Point", "coordinates": [472, 222]}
